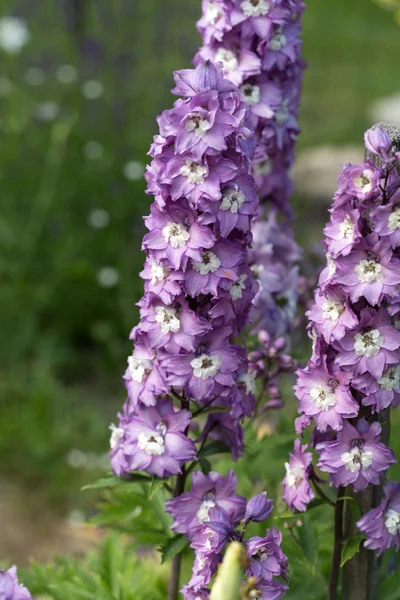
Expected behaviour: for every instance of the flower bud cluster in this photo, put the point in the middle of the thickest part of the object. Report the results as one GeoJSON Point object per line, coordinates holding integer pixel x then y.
{"type": "Point", "coordinates": [353, 375]}
{"type": "Point", "coordinates": [212, 515]}
{"type": "Point", "coordinates": [198, 285]}
{"type": "Point", "coordinates": [258, 43]}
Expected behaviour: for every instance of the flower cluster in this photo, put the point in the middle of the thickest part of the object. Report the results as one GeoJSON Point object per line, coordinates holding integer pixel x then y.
{"type": "Point", "coordinates": [10, 588]}
{"type": "Point", "coordinates": [258, 43]}
{"type": "Point", "coordinates": [209, 515]}
{"type": "Point", "coordinates": [354, 372]}
{"type": "Point", "coordinates": [198, 285]}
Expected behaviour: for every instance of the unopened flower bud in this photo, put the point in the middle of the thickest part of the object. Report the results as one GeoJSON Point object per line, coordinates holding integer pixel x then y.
{"type": "Point", "coordinates": [377, 141]}
{"type": "Point", "coordinates": [258, 508]}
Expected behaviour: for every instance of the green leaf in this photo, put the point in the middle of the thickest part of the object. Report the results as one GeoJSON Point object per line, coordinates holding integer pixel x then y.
{"type": "Point", "coordinates": [156, 486]}
{"type": "Point", "coordinates": [308, 537]}
{"type": "Point", "coordinates": [110, 482]}
{"type": "Point", "coordinates": [350, 548]}
{"type": "Point", "coordinates": [172, 547]}
{"type": "Point", "coordinates": [213, 448]}
{"type": "Point", "coordinates": [205, 465]}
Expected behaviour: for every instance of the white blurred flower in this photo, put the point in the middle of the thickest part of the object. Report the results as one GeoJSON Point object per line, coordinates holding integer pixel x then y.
{"type": "Point", "coordinates": [47, 111]}
{"type": "Point", "coordinates": [93, 150]}
{"type": "Point", "coordinates": [98, 218]}
{"type": "Point", "coordinates": [14, 34]}
{"type": "Point", "coordinates": [6, 87]}
{"type": "Point", "coordinates": [76, 459]}
{"type": "Point", "coordinates": [76, 517]}
{"type": "Point", "coordinates": [107, 277]}
{"type": "Point", "coordinates": [35, 76]}
{"type": "Point", "coordinates": [133, 170]}
{"type": "Point", "coordinates": [92, 89]}
{"type": "Point", "coordinates": [66, 74]}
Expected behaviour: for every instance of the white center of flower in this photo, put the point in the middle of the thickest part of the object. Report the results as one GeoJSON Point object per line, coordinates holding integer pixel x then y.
{"type": "Point", "coordinates": [251, 93]}
{"type": "Point", "coordinates": [175, 234]}
{"type": "Point", "coordinates": [282, 113]}
{"type": "Point", "coordinates": [255, 8]}
{"type": "Point", "coordinates": [369, 343]}
{"type": "Point", "coordinates": [228, 59]}
{"type": "Point", "coordinates": [213, 13]}
{"type": "Point", "coordinates": [206, 366]}
{"type": "Point", "coordinates": [167, 319]}
{"type": "Point", "coordinates": [323, 396]}
{"type": "Point", "coordinates": [193, 171]}
{"type": "Point", "coordinates": [249, 380]}
{"type": "Point", "coordinates": [138, 368]}
{"type": "Point", "coordinates": [364, 181]}
{"type": "Point", "coordinates": [346, 229]}
{"type": "Point", "coordinates": [257, 269]}
{"type": "Point", "coordinates": [332, 310]}
{"type": "Point", "coordinates": [278, 41]}
{"type": "Point", "coordinates": [203, 512]}
{"type": "Point", "coordinates": [236, 289]}
{"type": "Point", "coordinates": [117, 433]}
{"type": "Point", "coordinates": [369, 271]}
{"type": "Point", "coordinates": [356, 458]}
{"type": "Point", "coordinates": [153, 443]}
{"type": "Point", "coordinates": [209, 263]}
{"type": "Point", "coordinates": [158, 272]}
{"type": "Point", "coordinates": [294, 476]}
{"type": "Point", "coordinates": [392, 521]}
{"type": "Point", "coordinates": [232, 201]}
{"type": "Point", "coordinates": [390, 380]}
{"type": "Point", "coordinates": [197, 124]}
{"type": "Point", "coordinates": [394, 219]}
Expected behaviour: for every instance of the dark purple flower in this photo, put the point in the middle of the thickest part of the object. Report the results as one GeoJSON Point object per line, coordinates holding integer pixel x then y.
{"type": "Point", "coordinates": [297, 492]}
{"type": "Point", "coordinates": [268, 590]}
{"type": "Point", "coordinates": [10, 588]}
{"type": "Point", "coordinates": [382, 524]}
{"type": "Point", "coordinates": [356, 457]}
{"type": "Point", "coordinates": [208, 491]}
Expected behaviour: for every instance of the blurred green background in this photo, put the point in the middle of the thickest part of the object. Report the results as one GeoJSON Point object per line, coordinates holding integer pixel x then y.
{"type": "Point", "coordinates": [77, 114]}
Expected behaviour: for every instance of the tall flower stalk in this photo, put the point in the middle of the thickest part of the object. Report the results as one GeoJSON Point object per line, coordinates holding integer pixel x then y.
{"type": "Point", "coordinates": [258, 43]}
{"type": "Point", "coordinates": [188, 359]}
{"type": "Point", "coordinates": [353, 377]}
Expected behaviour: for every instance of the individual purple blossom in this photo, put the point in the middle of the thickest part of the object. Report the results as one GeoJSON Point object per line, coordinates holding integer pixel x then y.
{"type": "Point", "coordinates": [325, 396]}
{"type": "Point", "coordinates": [386, 220]}
{"type": "Point", "coordinates": [269, 590]}
{"type": "Point", "coordinates": [297, 492]}
{"type": "Point", "coordinates": [331, 315]}
{"type": "Point", "coordinates": [371, 346]}
{"type": "Point", "coordinates": [152, 439]}
{"type": "Point", "coordinates": [382, 524]}
{"type": "Point", "coordinates": [10, 588]}
{"type": "Point", "coordinates": [208, 491]}
{"type": "Point", "coordinates": [360, 181]}
{"type": "Point", "coordinates": [357, 457]}
{"type": "Point", "coordinates": [266, 557]}
{"type": "Point", "coordinates": [343, 231]}
{"type": "Point", "coordinates": [378, 141]}
{"type": "Point", "coordinates": [380, 393]}
{"type": "Point", "coordinates": [144, 376]}
{"type": "Point", "coordinates": [258, 509]}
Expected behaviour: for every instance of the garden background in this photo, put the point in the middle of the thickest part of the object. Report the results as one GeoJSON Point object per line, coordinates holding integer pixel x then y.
{"type": "Point", "coordinates": [77, 115]}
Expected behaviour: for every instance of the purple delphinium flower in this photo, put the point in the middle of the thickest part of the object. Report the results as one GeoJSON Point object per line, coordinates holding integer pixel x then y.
{"type": "Point", "coordinates": [266, 557]}
{"type": "Point", "coordinates": [331, 314]}
{"type": "Point", "coordinates": [378, 142]}
{"type": "Point", "coordinates": [268, 590]}
{"type": "Point", "coordinates": [10, 588]}
{"type": "Point", "coordinates": [356, 457]}
{"type": "Point", "coordinates": [208, 491]}
{"type": "Point", "coordinates": [258, 508]}
{"type": "Point", "coordinates": [297, 492]}
{"type": "Point", "coordinates": [382, 524]}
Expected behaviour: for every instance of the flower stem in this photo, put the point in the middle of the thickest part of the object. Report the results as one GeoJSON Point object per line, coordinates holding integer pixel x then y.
{"type": "Point", "coordinates": [337, 549]}
{"type": "Point", "coordinates": [173, 587]}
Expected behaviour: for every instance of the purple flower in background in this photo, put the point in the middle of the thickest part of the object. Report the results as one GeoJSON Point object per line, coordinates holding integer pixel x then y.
{"type": "Point", "coordinates": [259, 508]}
{"type": "Point", "coordinates": [382, 524]}
{"type": "Point", "coordinates": [370, 347]}
{"type": "Point", "coordinates": [153, 439]}
{"type": "Point", "coordinates": [189, 593]}
{"type": "Point", "coordinates": [297, 492]}
{"type": "Point", "coordinates": [10, 588]}
{"type": "Point", "coordinates": [325, 395]}
{"type": "Point", "coordinates": [356, 457]}
{"type": "Point", "coordinates": [266, 557]}
{"type": "Point", "coordinates": [208, 491]}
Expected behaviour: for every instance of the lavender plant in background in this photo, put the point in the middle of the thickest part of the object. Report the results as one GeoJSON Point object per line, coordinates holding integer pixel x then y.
{"type": "Point", "coordinates": [199, 288]}
{"type": "Point", "coordinates": [352, 378]}
{"type": "Point", "coordinates": [258, 43]}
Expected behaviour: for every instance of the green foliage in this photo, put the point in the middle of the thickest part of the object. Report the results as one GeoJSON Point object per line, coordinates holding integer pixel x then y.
{"type": "Point", "coordinates": [350, 548]}
{"type": "Point", "coordinates": [112, 572]}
